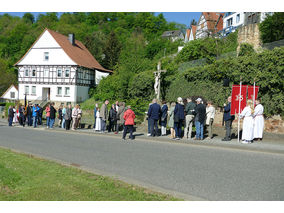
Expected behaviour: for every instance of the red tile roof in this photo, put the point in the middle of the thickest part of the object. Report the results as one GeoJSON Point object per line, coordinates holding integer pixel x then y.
{"type": "Point", "coordinates": [212, 18]}
{"type": "Point", "coordinates": [78, 52]}
{"type": "Point", "coordinates": [188, 33]}
{"type": "Point", "coordinates": [193, 28]}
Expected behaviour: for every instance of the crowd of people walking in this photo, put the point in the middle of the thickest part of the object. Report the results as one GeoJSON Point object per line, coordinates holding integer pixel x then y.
{"type": "Point", "coordinates": [182, 113]}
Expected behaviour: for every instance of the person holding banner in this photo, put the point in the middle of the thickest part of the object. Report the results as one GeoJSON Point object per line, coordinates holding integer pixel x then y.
{"type": "Point", "coordinates": [258, 121]}
{"type": "Point", "coordinates": [228, 118]}
{"type": "Point", "coordinates": [247, 134]}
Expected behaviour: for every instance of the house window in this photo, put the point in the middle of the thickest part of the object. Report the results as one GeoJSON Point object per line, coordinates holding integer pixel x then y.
{"type": "Point", "coordinates": [27, 90]}
{"type": "Point", "coordinates": [46, 56]}
{"type": "Point", "coordinates": [229, 22]}
{"type": "Point", "coordinates": [33, 90]}
{"type": "Point", "coordinates": [26, 72]}
{"type": "Point", "coordinates": [67, 91]}
{"type": "Point", "coordinates": [238, 18]}
{"type": "Point", "coordinates": [67, 73]}
{"type": "Point", "coordinates": [59, 91]}
{"type": "Point", "coordinates": [33, 72]}
{"type": "Point", "coordinates": [12, 94]}
{"type": "Point", "coordinates": [59, 73]}
{"type": "Point", "coordinates": [46, 72]}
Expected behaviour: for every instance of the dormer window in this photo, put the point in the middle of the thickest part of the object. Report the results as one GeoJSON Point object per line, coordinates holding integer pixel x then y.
{"type": "Point", "coordinates": [46, 56]}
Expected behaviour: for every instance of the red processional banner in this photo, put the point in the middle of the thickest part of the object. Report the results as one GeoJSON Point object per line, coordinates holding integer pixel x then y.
{"type": "Point", "coordinates": [238, 98]}
{"type": "Point", "coordinates": [250, 92]}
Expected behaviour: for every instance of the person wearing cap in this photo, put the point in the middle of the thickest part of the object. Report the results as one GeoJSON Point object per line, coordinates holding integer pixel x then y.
{"type": "Point", "coordinates": [129, 117]}
{"type": "Point", "coordinates": [200, 115]}
{"type": "Point", "coordinates": [178, 117]}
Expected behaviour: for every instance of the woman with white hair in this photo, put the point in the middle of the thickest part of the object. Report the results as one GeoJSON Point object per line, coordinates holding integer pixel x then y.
{"type": "Point", "coordinates": [178, 117]}
{"type": "Point", "coordinates": [247, 134]}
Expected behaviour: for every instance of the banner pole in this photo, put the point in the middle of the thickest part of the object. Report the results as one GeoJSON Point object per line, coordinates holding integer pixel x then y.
{"type": "Point", "coordinates": [253, 91]}
{"type": "Point", "coordinates": [239, 109]}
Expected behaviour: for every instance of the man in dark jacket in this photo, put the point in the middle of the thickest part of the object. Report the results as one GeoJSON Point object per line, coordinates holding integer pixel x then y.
{"type": "Point", "coordinates": [154, 114]}
{"type": "Point", "coordinates": [200, 115]}
{"type": "Point", "coordinates": [112, 118]}
{"type": "Point", "coordinates": [30, 114]}
{"type": "Point", "coordinates": [52, 115]}
{"type": "Point", "coordinates": [10, 115]}
{"type": "Point", "coordinates": [228, 118]}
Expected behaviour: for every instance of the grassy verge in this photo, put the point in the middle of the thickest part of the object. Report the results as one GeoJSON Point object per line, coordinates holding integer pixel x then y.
{"type": "Point", "coordinates": [24, 177]}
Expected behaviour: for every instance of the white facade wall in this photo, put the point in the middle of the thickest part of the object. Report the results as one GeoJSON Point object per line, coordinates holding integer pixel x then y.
{"type": "Point", "coordinates": [46, 44]}
{"type": "Point", "coordinates": [7, 94]}
{"type": "Point", "coordinates": [41, 89]}
{"type": "Point", "coordinates": [235, 21]}
{"type": "Point", "coordinates": [81, 93]}
{"type": "Point", "coordinates": [201, 30]}
{"type": "Point", "coordinates": [100, 75]}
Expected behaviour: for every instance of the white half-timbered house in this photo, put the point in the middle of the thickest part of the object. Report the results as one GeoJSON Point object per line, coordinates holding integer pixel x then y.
{"type": "Point", "coordinates": [58, 68]}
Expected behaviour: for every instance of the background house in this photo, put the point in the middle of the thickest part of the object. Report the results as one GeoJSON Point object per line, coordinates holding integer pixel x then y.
{"type": "Point", "coordinates": [10, 95]}
{"type": "Point", "coordinates": [58, 68]}
{"type": "Point", "coordinates": [209, 24]}
{"type": "Point", "coordinates": [173, 35]}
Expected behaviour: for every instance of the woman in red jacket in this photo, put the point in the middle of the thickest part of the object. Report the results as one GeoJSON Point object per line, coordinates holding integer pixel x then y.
{"type": "Point", "coordinates": [129, 117]}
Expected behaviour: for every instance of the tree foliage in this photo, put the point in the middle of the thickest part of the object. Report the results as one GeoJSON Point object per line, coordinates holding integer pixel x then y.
{"type": "Point", "coordinates": [272, 28]}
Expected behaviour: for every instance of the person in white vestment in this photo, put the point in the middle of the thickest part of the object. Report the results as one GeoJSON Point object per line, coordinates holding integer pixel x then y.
{"type": "Point", "coordinates": [247, 135]}
{"type": "Point", "coordinates": [98, 121]}
{"type": "Point", "coordinates": [258, 121]}
{"type": "Point", "coordinates": [15, 119]}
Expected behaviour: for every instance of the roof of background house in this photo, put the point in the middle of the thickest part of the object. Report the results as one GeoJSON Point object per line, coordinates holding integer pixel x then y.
{"type": "Point", "coordinates": [187, 33]}
{"type": "Point", "coordinates": [171, 33]}
{"type": "Point", "coordinates": [193, 28]}
{"type": "Point", "coordinates": [212, 18]}
{"type": "Point", "coordinates": [77, 52]}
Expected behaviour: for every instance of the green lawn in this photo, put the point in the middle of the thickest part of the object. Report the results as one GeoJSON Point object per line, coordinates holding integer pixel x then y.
{"type": "Point", "coordinates": [24, 177]}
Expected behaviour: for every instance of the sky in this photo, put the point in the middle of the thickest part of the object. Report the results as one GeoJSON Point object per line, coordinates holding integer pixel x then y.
{"type": "Point", "coordinates": [178, 17]}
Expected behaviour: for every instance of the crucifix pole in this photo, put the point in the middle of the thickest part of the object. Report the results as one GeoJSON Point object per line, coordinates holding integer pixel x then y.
{"type": "Point", "coordinates": [157, 85]}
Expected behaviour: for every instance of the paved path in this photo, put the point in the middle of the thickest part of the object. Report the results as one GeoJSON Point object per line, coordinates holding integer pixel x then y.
{"type": "Point", "coordinates": [202, 171]}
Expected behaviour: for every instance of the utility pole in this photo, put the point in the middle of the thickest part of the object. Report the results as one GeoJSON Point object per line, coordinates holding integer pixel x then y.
{"type": "Point", "coordinates": [157, 85]}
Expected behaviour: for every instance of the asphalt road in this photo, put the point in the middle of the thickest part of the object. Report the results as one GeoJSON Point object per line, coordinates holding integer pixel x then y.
{"type": "Point", "coordinates": [185, 170]}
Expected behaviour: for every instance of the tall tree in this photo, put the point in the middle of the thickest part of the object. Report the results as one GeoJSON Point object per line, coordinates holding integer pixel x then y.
{"type": "Point", "coordinates": [193, 22]}
{"type": "Point", "coordinates": [29, 18]}
{"type": "Point", "coordinates": [111, 51]}
{"type": "Point", "coordinates": [272, 28]}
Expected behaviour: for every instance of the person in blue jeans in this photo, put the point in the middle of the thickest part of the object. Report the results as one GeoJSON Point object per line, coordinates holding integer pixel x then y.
{"type": "Point", "coordinates": [52, 115]}
{"type": "Point", "coordinates": [178, 118]}
{"type": "Point", "coordinates": [35, 114]}
{"type": "Point", "coordinates": [200, 115]}
{"type": "Point", "coordinates": [10, 115]}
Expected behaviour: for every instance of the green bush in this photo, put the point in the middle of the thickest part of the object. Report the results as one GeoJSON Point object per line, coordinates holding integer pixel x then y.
{"type": "Point", "coordinates": [142, 85]}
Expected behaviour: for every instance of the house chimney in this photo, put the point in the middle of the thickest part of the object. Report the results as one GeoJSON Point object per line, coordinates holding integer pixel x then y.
{"type": "Point", "coordinates": [71, 38]}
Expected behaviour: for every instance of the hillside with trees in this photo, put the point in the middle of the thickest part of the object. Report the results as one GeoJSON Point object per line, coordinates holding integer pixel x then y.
{"type": "Point", "coordinates": [116, 40]}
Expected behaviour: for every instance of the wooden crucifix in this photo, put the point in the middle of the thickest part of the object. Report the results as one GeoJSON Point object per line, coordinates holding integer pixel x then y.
{"type": "Point", "coordinates": [157, 85]}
